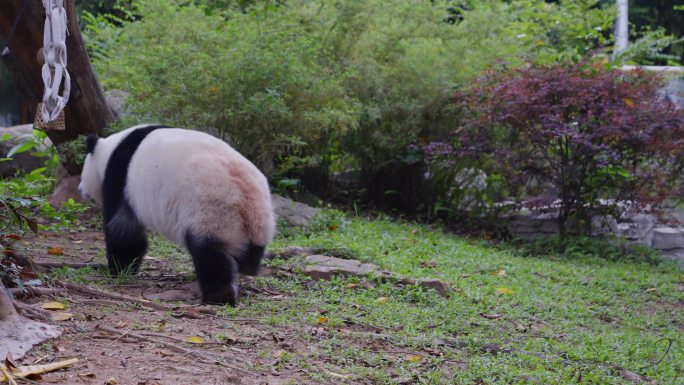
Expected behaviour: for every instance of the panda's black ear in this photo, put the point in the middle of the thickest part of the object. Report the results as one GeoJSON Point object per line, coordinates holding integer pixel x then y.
{"type": "Point", "coordinates": [91, 142]}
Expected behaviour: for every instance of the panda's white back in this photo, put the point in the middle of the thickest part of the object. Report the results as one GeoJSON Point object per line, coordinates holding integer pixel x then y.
{"type": "Point", "coordinates": [180, 180]}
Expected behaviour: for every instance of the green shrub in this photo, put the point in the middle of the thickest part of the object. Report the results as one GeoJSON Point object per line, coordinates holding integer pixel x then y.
{"type": "Point", "coordinates": [583, 248]}
{"type": "Point", "coordinates": [329, 86]}
{"type": "Point", "coordinates": [254, 80]}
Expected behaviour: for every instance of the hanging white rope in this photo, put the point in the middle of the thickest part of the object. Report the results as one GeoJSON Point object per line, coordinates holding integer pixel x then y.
{"type": "Point", "coordinates": [54, 69]}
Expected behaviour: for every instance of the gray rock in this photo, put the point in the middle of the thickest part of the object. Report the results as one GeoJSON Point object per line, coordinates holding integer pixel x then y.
{"type": "Point", "coordinates": [294, 213]}
{"type": "Point", "coordinates": [533, 226]}
{"type": "Point", "coordinates": [668, 238]}
{"type": "Point", "coordinates": [676, 255]}
{"type": "Point", "coordinates": [323, 267]}
{"type": "Point", "coordinates": [20, 162]}
{"type": "Point", "coordinates": [604, 224]}
{"type": "Point", "coordinates": [435, 284]}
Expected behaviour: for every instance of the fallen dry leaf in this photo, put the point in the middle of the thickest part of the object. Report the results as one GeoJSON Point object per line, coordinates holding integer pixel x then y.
{"type": "Point", "coordinates": [519, 326]}
{"type": "Point", "coordinates": [351, 286]}
{"type": "Point", "coordinates": [53, 305]}
{"type": "Point", "coordinates": [61, 316]}
{"type": "Point", "coordinates": [491, 316]}
{"type": "Point", "coordinates": [651, 289]}
{"type": "Point", "coordinates": [336, 375]}
{"type": "Point", "coordinates": [322, 320]}
{"type": "Point", "coordinates": [414, 358]}
{"type": "Point", "coordinates": [382, 300]}
{"type": "Point", "coordinates": [121, 324]}
{"type": "Point", "coordinates": [111, 381]}
{"type": "Point", "coordinates": [499, 273]}
{"type": "Point", "coordinates": [376, 345]}
{"type": "Point", "coordinates": [195, 340]}
{"type": "Point", "coordinates": [9, 361]}
{"type": "Point", "coordinates": [55, 251]}
{"type": "Point", "coordinates": [34, 371]}
{"type": "Point", "coordinates": [504, 290]}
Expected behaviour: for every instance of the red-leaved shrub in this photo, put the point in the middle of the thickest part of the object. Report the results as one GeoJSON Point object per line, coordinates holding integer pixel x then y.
{"type": "Point", "coordinates": [574, 135]}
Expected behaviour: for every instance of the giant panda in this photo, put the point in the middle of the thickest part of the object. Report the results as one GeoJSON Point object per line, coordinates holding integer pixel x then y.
{"type": "Point", "coordinates": [192, 188]}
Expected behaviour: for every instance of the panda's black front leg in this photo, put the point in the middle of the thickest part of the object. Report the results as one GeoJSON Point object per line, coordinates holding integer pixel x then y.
{"type": "Point", "coordinates": [126, 240]}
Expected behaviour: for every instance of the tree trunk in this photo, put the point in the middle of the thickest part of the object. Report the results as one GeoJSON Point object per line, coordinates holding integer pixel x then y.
{"type": "Point", "coordinates": [87, 111]}
{"type": "Point", "coordinates": [7, 311]}
{"type": "Point", "coordinates": [621, 27]}
{"type": "Point", "coordinates": [19, 334]}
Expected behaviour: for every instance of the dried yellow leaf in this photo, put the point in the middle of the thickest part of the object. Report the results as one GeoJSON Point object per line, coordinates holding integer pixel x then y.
{"type": "Point", "coordinates": [55, 251]}
{"type": "Point", "coordinates": [499, 273]}
{"type": "Point", "coordinates": [382, 300]}
{"type": "Point", "coordinates": [414, 358]}
{"type": "Point", "coordinates": [322, 320]}
{"type": "Point", "coordinates": [504, 290]}
{"type": "Point", "coordinates": [629, 102]}
{"type": "Point", "coordinates": [351, 286]}
{"type": "Point", "coordinates": [53, 305]}
{"type": "Point", "coordinates": [195, 340]}
{"type": "Point", "coordinates": [61, 316]}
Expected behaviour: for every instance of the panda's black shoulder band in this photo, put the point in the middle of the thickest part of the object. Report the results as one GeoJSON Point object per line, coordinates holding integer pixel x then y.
{"type": "Point", "coordinates": [117, 169]}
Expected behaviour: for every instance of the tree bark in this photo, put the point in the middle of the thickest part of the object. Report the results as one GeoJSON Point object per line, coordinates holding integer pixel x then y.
{"type": "Point", "coordinates": [7, 311]}
{"type": "Point", "coordinates": [87, 111]}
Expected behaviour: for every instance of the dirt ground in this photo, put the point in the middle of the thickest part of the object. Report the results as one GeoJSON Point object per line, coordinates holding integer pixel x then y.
{"type": "Point", "coordinates": [233, 350]}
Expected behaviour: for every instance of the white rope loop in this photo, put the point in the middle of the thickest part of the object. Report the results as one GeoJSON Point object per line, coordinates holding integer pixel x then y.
{"type": "Point", "coordinates": [54, 69]}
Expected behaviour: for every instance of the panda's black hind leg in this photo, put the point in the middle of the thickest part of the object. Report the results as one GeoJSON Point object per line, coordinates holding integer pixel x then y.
{"type": "Point", "coordinates": [126, 241]}
{"type": "Point", "coordinates": [216, 270]}
{"type": "Point", "coordinates": [250, 260]}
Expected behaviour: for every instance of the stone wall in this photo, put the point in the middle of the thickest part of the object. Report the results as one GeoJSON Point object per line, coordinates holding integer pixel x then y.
{"type": "Point", "coordinates": [641, 228]}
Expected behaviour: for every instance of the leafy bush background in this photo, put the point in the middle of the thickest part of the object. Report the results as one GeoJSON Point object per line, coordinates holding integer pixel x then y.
{"type": "Point", "coordinates": [334, 85]}
{"type": "Point", "coordinates": [307, 89]}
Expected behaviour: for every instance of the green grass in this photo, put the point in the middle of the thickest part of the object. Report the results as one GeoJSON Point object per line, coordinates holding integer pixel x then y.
{"type": "Point", "coordinates": [569, 319]}
{"type": "Point", "coordinates": [591, 310]}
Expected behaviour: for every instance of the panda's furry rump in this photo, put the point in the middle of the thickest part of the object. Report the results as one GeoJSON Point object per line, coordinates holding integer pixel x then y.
{"type": "Point", "coordinates": [189, 186]}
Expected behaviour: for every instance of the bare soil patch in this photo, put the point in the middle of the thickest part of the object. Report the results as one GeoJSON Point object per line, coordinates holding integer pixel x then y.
{"type": "Point", "coordinates": [231, 351]}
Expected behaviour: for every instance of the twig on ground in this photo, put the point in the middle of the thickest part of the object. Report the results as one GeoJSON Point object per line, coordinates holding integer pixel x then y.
{"type": "Point", "coordinates": [100, 293]}
{"type": "Point", "coordinates": [201, 356]}
{"type": "Point", "coordinates": [7, 374]}
{"type": "Point", "coordinates": [73, 265]}
{"type": "Point", "coordinates": [33, 311]}
{"type": "Point", "coordinates": [670, 341]}
{"type": "Point", "coordinates": [29, 291]}
{"type": "Point", "coordinates": [179, 340]}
